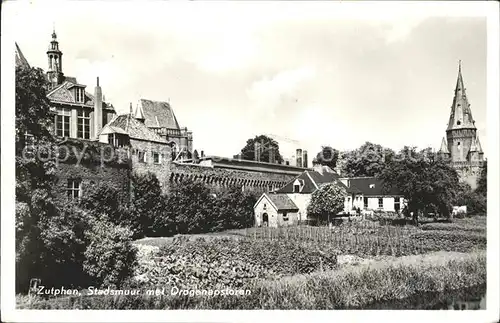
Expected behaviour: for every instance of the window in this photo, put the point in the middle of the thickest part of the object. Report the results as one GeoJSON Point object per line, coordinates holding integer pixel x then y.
{"type": "Point", "coordinates": [365, 202]}
{"type": "Point", "coordinates": [372, 185]}
{"type": "Point", "coordinates": [380, 202]}
{"type": "Point", "coordinates": [62, 123]}
{"type": "Point", "coordinates": [296, 188]}
{"type": "Point", "coordinates": [397, 203]}
{"type": "Point", "coordinates": [79, 94]}
{"type": "Point", "coordinates": [458, 143]}
{"type": "Point", "coordinates": [285, 216]}
{"type": "Point", "coordinates": [156, 157]}
{"type": "Point", "coordinates": [83, 124]}
{"type": "Point", "coordinates": [142, 157]}
{"type": "Point", "coordinates": [458, 122]}
{"type": "Point", "coordinates": [73, 188]}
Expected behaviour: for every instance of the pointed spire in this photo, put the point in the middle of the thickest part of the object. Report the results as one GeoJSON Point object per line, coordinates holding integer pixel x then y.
{"type": "Point", "coordinates": [460, 115]}
{"type": "Point", "coordinates": [444, 147]}
{"type": "Point", "coordinates": [20, 59]}
{"type": "Point", "coordinates": [478, 145]}
{"type": "Point", "coordinates": [139, 113]}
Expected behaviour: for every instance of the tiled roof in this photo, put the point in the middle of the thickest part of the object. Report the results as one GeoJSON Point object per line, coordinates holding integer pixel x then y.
{"type": "Point", "coordinates": [312, 179]}
{"type": "Point", "coordinates": [158, 114]}
{"type": "Point", "coordinates": [135, 128]}
{"type": "Point", "coordinates": [371, 186]}
{"type": "Point", "coordinates": [282, 201]}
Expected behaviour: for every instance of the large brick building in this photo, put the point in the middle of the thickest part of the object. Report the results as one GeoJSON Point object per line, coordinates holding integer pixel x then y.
{"type": "Point", "coordinates": [462, 146]}
{"type": "Point", "coordinates": [149, 139]}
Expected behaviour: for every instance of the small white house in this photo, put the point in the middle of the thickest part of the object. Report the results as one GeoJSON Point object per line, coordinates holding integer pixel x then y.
{"type": "Point", "coordinates": [365, 193]}
{"type": "Point", "coordinates": [275, 210]}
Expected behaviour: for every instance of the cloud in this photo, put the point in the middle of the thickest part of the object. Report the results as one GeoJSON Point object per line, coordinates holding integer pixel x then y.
{"type": "Point", "coordinates": [267, 93]}
{"type": "Point", "coordinates": [399, 29]}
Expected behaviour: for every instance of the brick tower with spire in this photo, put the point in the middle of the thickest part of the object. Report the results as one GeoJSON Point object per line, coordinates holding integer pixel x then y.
{"type": "Point", "coordinates": [462, 146]}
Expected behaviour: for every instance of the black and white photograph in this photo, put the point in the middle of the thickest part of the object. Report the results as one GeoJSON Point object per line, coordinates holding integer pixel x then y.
{"type": "Point", "coordinates": [205, 158]}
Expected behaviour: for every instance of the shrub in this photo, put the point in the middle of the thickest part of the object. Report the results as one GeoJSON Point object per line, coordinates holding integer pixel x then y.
{"type": "Point", "coordinates": [110, 257]}
{"type": "Point", "coordinates": [50, 243]}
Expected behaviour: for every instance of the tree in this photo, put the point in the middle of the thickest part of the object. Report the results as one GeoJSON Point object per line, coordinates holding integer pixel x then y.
{"type": "Point", "coordinates": [426, 181]}
{"type": "Point", "coordinates": [474, 200]}
{"type": "Point", "coordinates": [103, 200]}
{"type": "Point", "coordinates": [32, 106]}
{"type": "Point", "coordinates": [248, 152]}
{"type": "Point", "coordinates": [328, 156]}
{"type": "Point", "coordinates": [327, 201]}
{"type": "Point", "coordinates": [482, 180]}
{"type": "Point", "coordinates": [367, 160]}
{"type": "Point", "coordinates": [146, 203]}
{"type": "Point", "coordinates": [191, 206]}
{"type": "Point", "coordinates": [234, 210]}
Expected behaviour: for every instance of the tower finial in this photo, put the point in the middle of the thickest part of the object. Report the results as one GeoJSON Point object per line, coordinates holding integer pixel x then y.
{"type": "Point", "coordinates": [460, 65]}
{"type": "Point", "coordinates": [54, 36]}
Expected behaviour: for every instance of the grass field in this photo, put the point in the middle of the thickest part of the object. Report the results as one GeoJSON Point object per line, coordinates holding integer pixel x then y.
{"type": "Point", "coordinates": [346, 288]}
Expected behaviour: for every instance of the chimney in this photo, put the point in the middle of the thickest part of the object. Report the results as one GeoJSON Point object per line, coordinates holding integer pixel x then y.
{"type": "Point", "coordinates": [298, 158]}
{"type": "Point", "coordinates": [97, 109]}
{"type": "Point", "coordinates": [304, 159]}
{"type": "Point", "coordinates": [202, 154]}
{"type": "Point", "coordinates": [272, 156]}
{"type": "Point", "coordinates": [256, 149]}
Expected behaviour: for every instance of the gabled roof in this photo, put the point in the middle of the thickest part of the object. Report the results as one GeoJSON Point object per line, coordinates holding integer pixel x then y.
{"type": "Point", "coordinates": [20, 59]}
{"type": "Point", "coordinates": [158, 114]}
{"type": "Point", "coordinates": [63, 94]}
{"type": "Point", "coordinates": [134, 128]}
{"type": "Point", "coordinates": [279, 201]}
{"type": "Point", "coordinates": [370, 186]}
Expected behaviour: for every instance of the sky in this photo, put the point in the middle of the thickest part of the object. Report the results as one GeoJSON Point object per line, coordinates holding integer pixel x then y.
{"type": "Point", "coordinates": [314, 73]}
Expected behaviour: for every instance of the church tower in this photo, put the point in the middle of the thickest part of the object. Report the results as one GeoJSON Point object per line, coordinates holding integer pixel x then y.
{"type": "Point", "coordinates": [463, 148]}
{"type": "Point", "coordinates": [54, 55]}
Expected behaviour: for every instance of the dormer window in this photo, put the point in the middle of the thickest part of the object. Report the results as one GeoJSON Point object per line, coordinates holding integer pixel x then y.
{"type": "Point", "coordinates": [372, 185]}
{"type": "Point", "coordinates": [298, 185]}
{"type": "Point", "coordinates": [79, 94]}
